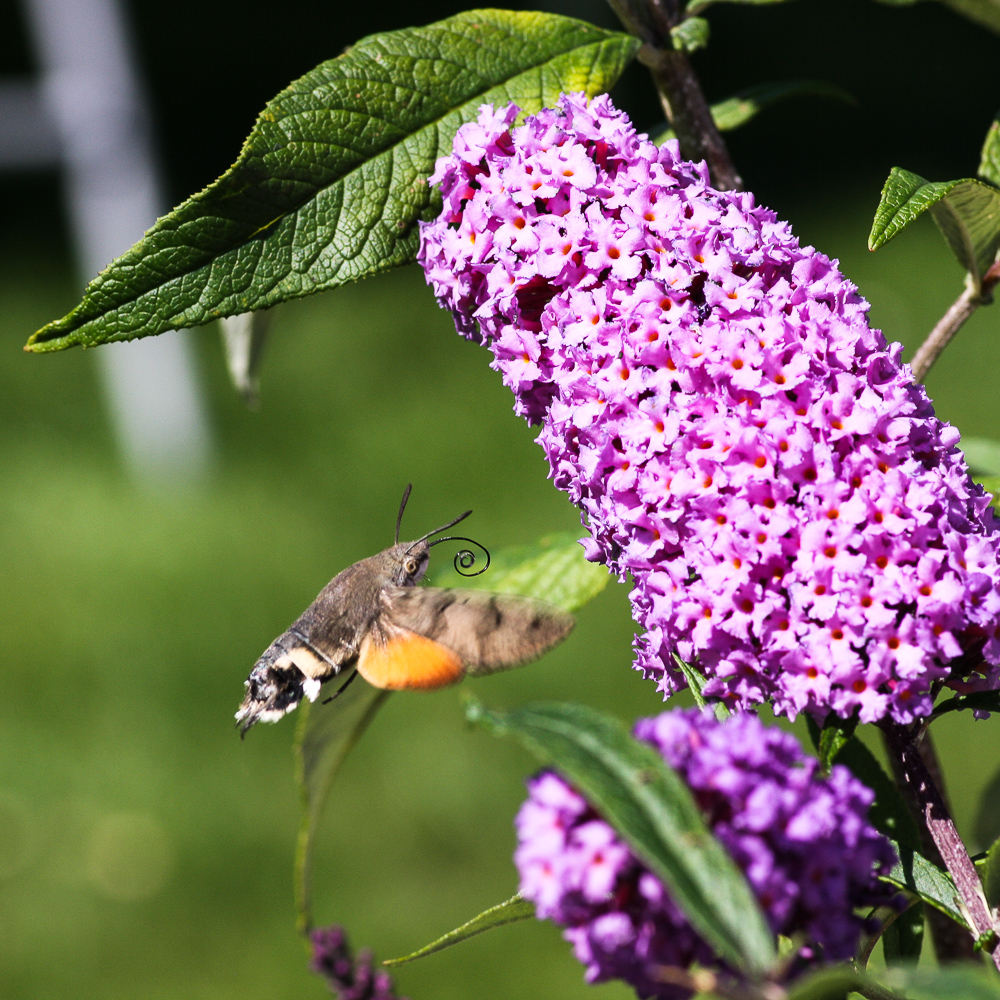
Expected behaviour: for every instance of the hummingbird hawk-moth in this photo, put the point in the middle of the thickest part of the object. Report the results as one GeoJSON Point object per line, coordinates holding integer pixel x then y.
{"type": "Point", "coordinates": [374, 620]}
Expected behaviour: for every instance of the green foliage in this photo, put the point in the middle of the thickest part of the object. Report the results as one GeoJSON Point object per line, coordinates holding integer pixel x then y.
{"type": "Point", "coordinates": [903, 938]}
{"type": "Point", "coordinates": [989, 870]}
{"type": "Point", "coordinates": [651, 808]}
{"type": "Point", "coordinates": [967, 213]}
{"type": "Point", "coordinates": [508, 912]}
{"type": "Point", "coordinates": [746, 104]}
{"type": "Point", "coordinates": [832, 738]}
{"type": "Point", "coordinates": [921, 878]}
{"type": "Point", "coordinates": [984, 12]}
{"type": "Point", "coordinates": [989, 160]}
{"type": "Point", "coordinates": [833, 983]}
{"type": "Point", "coordinates": [554, 569]}
{"type": "Point", "coordinates": [953, 982]}
{"type": "Point", "coordinates": [691, 34]}
{"type": "Point", "coordinates": [332, 181]}
{"type": "Point", "coordinates": [986, 826]}
{"type": "Point", "coordinates": [697, 6]}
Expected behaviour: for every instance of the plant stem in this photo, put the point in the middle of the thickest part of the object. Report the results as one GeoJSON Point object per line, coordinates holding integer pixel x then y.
{"type": "Point", "coordinates": [951, 322]}
{"type": "Point", "coordinates": [683, 100]}
{"type": "Point", "coordinates": [942, 828]}
{"type": "Point", "coordinates": [950, 940]}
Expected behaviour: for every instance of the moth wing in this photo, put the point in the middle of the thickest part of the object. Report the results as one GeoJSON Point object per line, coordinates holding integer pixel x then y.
{"type": "Point", "coordinates": [487, 632]}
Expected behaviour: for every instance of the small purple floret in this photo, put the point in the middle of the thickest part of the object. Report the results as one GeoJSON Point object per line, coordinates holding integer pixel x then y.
{"type": "Point", "coordinates": [803, 841]}
{"type": "Point", "coordinates": [349, 977]}
{"type": "Point", "coordinates": [796, 519]}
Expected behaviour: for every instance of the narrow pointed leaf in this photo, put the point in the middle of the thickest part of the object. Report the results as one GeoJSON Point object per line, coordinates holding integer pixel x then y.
{"type": "Point", "coordinates": [696, 682]}
{"type": "Point", "coordinates": [746, 104]}
{"type": "Point", "coordinates": [989, 161]}
{"type": "Point", "coordinates": [507, 912]}
{"type": "Point", "coordinates": [651, 808]}
{"type": "Point", "coordinates": [332, 181]}
{"type": "Point", "coordinates": [326, 734]}
{"type": "Point", "coordinates": [966, 211]}
{"type": "Point", "coordinates": [981, 701]}
{"type": "Point", "coordinates": [920, 877]}
{"type": "Point", "coordinates": [696, 6]}
{"type": "Point", "coordinates": [554, 569]}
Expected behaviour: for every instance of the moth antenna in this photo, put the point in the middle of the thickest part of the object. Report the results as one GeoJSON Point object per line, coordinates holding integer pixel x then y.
{"type": "Point", "coordinates": [464, 558]}
{"type": "Point", "coordinates": [402, 507]}
{"type": "Point", "coordinates": [444, 527]}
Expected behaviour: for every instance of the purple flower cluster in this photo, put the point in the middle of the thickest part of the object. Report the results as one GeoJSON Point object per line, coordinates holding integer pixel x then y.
{"type": "Point", "coordinates": [349, 978]}
{"type": "Point", "coordinates": [802, 840]}
{"type": "Point", "coordinates": [794, 516]}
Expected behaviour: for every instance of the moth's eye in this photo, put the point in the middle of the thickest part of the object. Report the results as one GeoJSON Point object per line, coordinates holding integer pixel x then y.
{"type": "Point", "coordinates": [411, 567]}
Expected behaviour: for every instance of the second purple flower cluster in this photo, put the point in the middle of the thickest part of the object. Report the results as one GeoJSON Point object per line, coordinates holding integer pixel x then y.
{"type": "Point", "coordinates": [802, 840]}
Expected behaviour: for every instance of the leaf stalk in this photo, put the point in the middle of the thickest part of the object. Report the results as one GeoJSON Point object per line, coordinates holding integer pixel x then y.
{"type": "Point", "coordinates": [903, 744]}
{"type": "Point", "coordinates": [953, 320]}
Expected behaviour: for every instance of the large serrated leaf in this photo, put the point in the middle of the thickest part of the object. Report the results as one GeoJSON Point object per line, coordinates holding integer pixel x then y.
{"type": "Point", "coordinates": [553, 569]}
{"type": "Point", "coordinates": [332, 181]}
{"type": "Point", "coordinates": [507, 912]}
{"type": "Point", "coordinates": [653, 811]}
{"type": "Point", "coordinates": [967, 212]}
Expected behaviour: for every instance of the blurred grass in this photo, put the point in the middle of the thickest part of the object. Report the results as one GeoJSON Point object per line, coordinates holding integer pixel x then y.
{"type": "Point", "coordinates": [144, 850]}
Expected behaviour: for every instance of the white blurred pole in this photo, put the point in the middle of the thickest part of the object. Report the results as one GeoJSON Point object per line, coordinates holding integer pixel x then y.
{"type": "Point", "coordinates": [94, 100]}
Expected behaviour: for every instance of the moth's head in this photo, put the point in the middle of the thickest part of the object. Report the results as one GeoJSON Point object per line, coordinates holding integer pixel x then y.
{"type": "Point", "coordinates": [408, 560]}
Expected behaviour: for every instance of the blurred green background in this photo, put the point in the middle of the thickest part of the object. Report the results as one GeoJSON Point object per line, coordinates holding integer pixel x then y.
{"type": "Point", "coordinates": [144, 850]}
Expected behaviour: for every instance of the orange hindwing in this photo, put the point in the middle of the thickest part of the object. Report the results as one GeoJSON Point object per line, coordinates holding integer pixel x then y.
{"type": "Point", "coordinates": [408, 661]}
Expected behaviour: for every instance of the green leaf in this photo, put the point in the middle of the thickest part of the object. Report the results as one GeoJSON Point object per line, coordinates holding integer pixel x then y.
{"type": "Point", "coordinates": [903, 939]}
{"type": "Point", "coordinates": [984, 12]}
{"type": "Point", "coordinates": [332, 181]}
{"type": "Point", "coordinates": [554, 569]}
{"type": "Point", "coordinates": [986, 827]}
{"type": "Point", "coordinates": [832, 983]}
{"type": "Point", "coordinates": [952, 982]}
{"type": "Point", "coordinates": [696, 6]}
{"type": "Point", "coordinates": [691, 34]}
{"type": "Point", "coordinates": [983, 455]}
{"type": "Point", "coordinates": [832, 738]}
{"type": "Point", "coordinates": [651, 808]}
{"type": "Point", "coordinates": [325, 735]}
{"type": "Point", "coordinates": [989, 872]}
{"type": "Point", "coordinates": [696, 682]}
{"type": "Point", "coordinates": [919, 877]}
{"type": "Point", "coordinates": [989, 160]}
{"type": "Point", "coordinates": [746, 104]}
{"type": "Point", "coordinates": [508, 912]}
{"type": "Point", "coordinates": [983, 701]}
{"type": "Point", "coordinates": [967, 213]}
